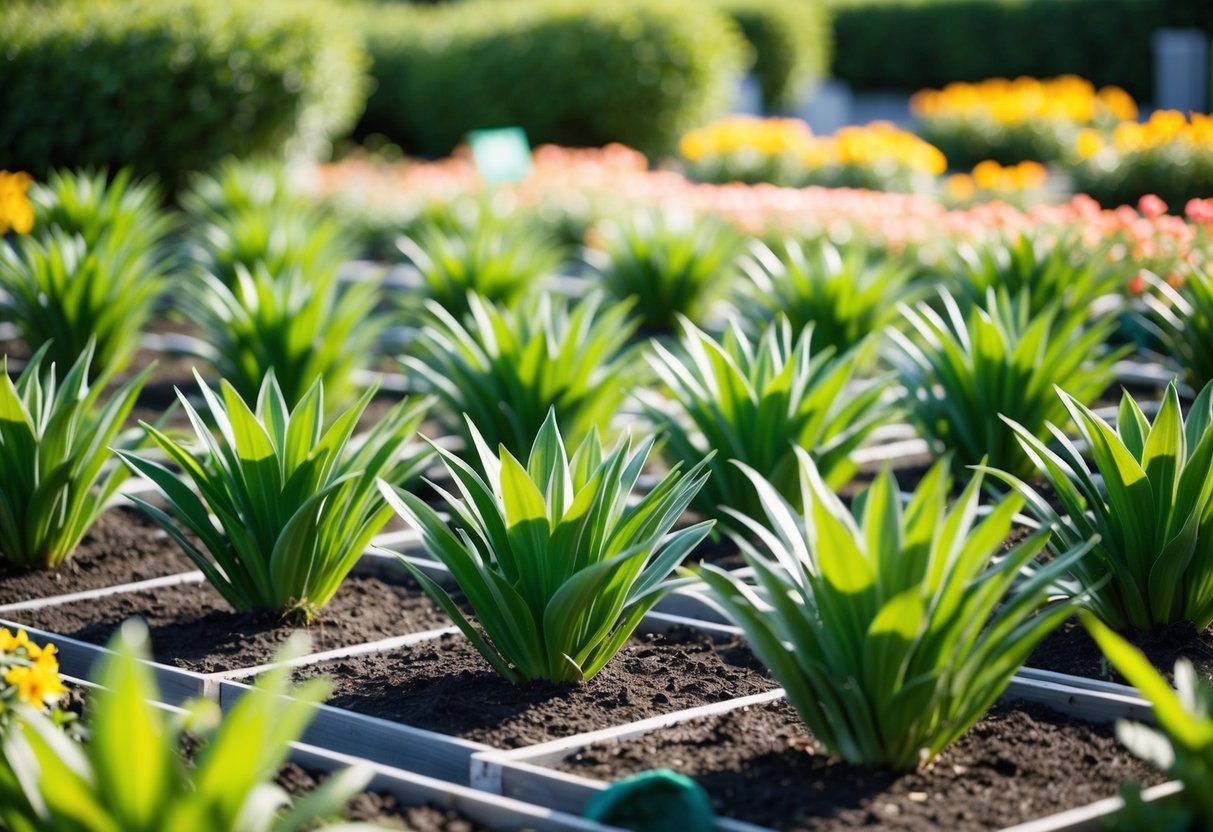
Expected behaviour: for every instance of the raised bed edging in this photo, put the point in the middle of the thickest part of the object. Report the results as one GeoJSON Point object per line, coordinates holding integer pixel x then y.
{"type": "Point", "coordinates": [520, 773]}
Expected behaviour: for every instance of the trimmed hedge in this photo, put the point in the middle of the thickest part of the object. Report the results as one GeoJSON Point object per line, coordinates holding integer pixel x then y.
{"type": "Point", "coordinates": [574, 72]}
{"type": "Point", "coordinates": [791, 40]}
{"type": "Point", "coordinates": [911, 44]}
{"type": "Point", "coordinates": [167, 86]}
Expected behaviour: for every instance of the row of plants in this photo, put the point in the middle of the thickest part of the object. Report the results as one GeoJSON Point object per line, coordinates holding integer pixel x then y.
{"type": "Point", "coordinates": [868, 650]}
{"type": "Point", "coordinates": [570, 191]}
{"type": "Point", "coordinates": [1001, 129]}
{"type": "Point", "coordinates": [296, 498]}
{"type": "Point", "coordinates": [1093, 134]}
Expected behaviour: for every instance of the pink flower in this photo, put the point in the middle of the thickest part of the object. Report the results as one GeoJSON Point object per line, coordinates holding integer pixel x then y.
{"type": "Point", "coordinates": [1151, 205]}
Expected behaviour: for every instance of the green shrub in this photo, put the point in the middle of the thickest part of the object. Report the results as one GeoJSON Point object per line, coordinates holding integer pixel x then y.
{"type": "Point", "coordinates": [172, 85]}
{"type": "Point", "coordinates": [910, 44]}
{"type": "Point", "coordinates": [574, 72]}
{"type": "Point", "coordinates": [791, 40]}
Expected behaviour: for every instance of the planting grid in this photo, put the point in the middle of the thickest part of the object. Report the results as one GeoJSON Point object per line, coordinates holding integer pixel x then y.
{"type": "Point", "coordinates": [518, 773]}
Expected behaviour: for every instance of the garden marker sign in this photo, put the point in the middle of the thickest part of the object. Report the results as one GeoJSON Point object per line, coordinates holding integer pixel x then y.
{"type": "Point", "coordinates": [502, 155]}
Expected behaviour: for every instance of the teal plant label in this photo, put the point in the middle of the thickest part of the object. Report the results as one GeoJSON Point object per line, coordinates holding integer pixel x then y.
{"type": "Point", "coordinates": [501, 155]}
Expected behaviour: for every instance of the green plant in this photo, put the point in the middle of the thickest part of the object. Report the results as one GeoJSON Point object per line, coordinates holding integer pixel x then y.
{"type": "Point", "coordinates": [791, 43]}
{"type": "Point", "coordinates": [95, 279]}
{"type": "Point", "coordinates": [963, 373]}
{"type": "Point", "coordinates": [1151, 507]}
{"type": "Point", "coordinates": [845, 292]}
{"type": "Point", "coordinates": [892, 630]}
{"type": "Point", "coordinates": [506, 368]}
{"type": "Point", "coordinates": [556, 565]}
{"type": "Point", "coordinates": [295, 501]}
{"type": "Point", "coordinates": [498, 260]}
{"type": "Point", "coordinates": [130, 774]}
{"type": "Point", "coordinates": [670, 262]}
{"type": "Point", "coordinates": [1036, 270]}
{"type": "Point", "coordinates": [1181, 745]}
{"type": "Point", "coordinates": [302, 324]}
{"type": "Point", "coordinates": [569, 72]}
{"type": "Point", "coordinates": [213, 77]}
{"type": "Point", "coordinates": [245, 213]}
{"type": "Point", "coordinates": [1182, 320]}
{"type": "Point", "coordinates": [56, 470]}
{"type": "Point", "coordinates": [124, 211]}
{"type": "Point", "coordinates": [753, 401]}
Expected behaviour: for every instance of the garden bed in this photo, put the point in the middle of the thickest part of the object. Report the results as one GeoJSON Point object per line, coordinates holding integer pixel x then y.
{"type": "Point", "coordinates": [194, 628]}
{"type": "Point", "coordinates": [444, 685]}
{"type": "Point", "coordinates": [123, 546]}
{"type": "Point", "coordinates": [1021, 761]}
{"type": "Point", "coordinates": [1069, 649]}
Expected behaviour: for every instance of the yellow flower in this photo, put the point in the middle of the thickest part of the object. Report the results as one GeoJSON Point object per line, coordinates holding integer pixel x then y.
{"type": "Point", "coordinates": [16, 211]}
{"type": "Point", "coordinates": [960, 187]}
{"type": "Point", "coordinates": [1088, 143]}
{"type": "Point", "coordinates": [1006, 102]}
{"type": "Point", "coordinates": [37, 684]}
{"type": "Point", "coordinates": [10, 643]}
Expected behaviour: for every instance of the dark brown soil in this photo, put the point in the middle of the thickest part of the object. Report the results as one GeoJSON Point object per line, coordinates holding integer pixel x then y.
{"type": "Point", "coordinates": [1069, 649]}
{"type": "Point", "coordinates": [121, 547]}
{"type": "Point", "coordinates": [758, 765]}
{"type": "Point", "coordinates": [193, 627]}
{"type": "Point", "coordinates": [381, 809]}
{"type": "Point", "coordinates": [447, 686]}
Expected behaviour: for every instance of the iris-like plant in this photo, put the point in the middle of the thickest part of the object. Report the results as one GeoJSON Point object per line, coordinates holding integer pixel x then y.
{"type": "Point", "coordinates": [1151, 506]}
{"type": "Point", "coordinates": [302, 325]}
{"type": "Point", "coordinates": [93, 269]}
{"type": "Point", "coordinates": [670, 263]}
{"type": "Point", "coordinates": [128, 213]}
{"type": "Point", "coordinates": [556, 565]}
{"type": "Point", "coordinates": [130, 774]}
{"type": "Point", "coordinates": [1181, 745]}
{"type": "Point", "coordinates": [846, 293]}
{"type": "Point", "coordinates": [295, 501]}
{"type": "Point", "coordinates": [754, 401]}
{"type": "Point", "coordinates": [1182, 319]}
{"type": "Point", "coordinates": [1036, 271]}
{"type": "Point", "coordinates": [963, 372]}
{"type": "Point", "coordinates": [56, 470]}
{"type": "Point", "coordinates": [245, 215]}
{"type": "Point", "coordinates": [499, 261]}
{"type": "Point", "coordinates": [59, 291]}
{"type": "Point", "coordinates": [506, 368]}
{"type": "Point", "coordinates": [892, 630]}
